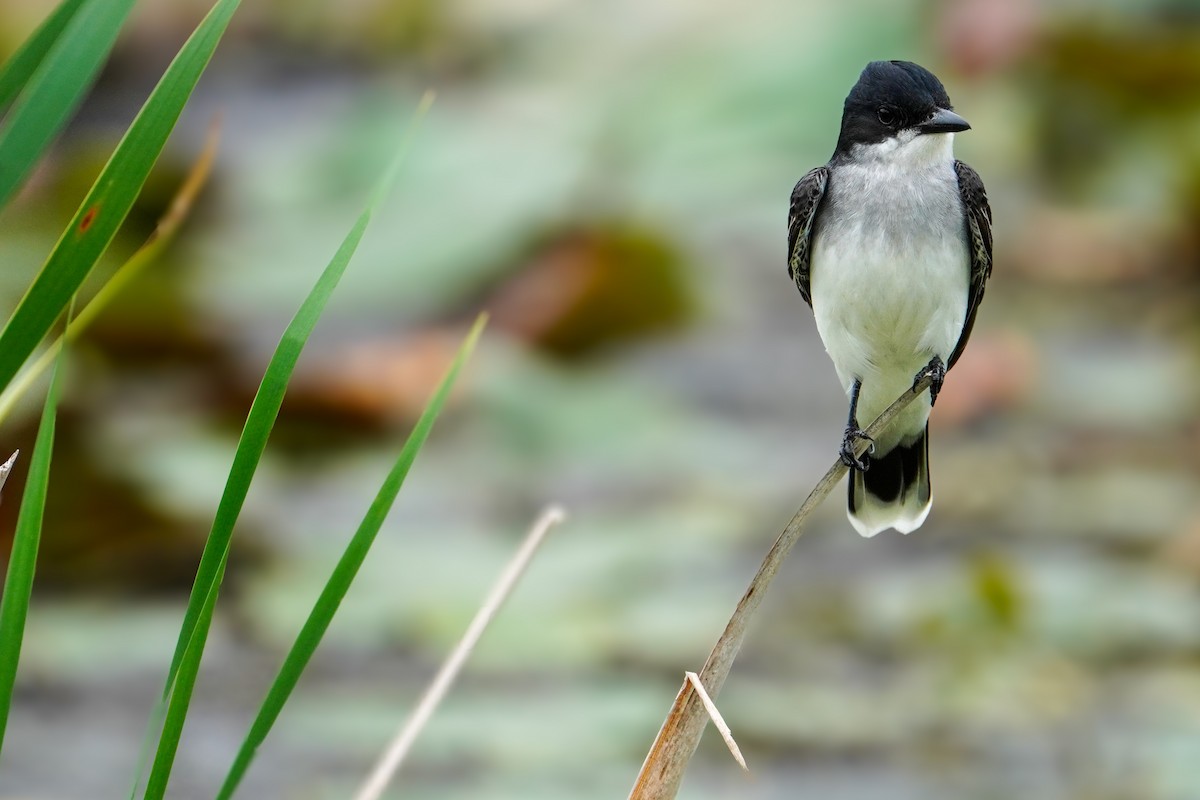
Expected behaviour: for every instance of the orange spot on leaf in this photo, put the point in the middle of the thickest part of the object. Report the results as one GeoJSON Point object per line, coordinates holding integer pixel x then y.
{"type": "Point", "coordinates": [88, 219]}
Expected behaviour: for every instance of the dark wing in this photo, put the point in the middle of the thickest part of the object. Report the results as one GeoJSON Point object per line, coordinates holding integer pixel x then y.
{"type": "Point", "coordinates": [806, 199]}
{"type": "Point", "coordinates": [979, 243]}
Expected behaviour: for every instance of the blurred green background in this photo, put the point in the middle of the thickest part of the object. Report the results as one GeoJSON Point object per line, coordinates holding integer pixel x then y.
{"type": "Point", "coordinates": [610, 181]}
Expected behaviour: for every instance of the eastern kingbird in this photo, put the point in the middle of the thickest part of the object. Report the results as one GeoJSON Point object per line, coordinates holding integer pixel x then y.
{"type": "Point", "coordinates": [891, 244]}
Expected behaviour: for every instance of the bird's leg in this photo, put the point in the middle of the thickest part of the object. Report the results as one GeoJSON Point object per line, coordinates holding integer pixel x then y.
{"type": "Point", "coordinates": [935, 370]}
{"type": "Point", "coordinates": [854, 433]}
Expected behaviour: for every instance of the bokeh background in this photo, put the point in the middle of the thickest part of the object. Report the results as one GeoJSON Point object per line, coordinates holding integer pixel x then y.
{"type": "Point", "coordinates": [610, 181]}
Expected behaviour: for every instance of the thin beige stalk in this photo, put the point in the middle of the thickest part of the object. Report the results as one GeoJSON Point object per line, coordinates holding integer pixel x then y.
{"type": "Point", "coordinates": [717, 719]}
{"type": "Point", "coordinates": [390, 762]}
{"type": "Point", "coordinates": [6, 467]}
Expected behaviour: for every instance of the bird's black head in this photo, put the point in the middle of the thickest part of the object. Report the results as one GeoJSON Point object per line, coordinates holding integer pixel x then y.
{"type": "Point", "coordinates": [895, 96]}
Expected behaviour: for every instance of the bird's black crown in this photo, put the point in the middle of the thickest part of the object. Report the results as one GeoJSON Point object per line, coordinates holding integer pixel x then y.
{"type": "Point", "coordinates": [889, 96]}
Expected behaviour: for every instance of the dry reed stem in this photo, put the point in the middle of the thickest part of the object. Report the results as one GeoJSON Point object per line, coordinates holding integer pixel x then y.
{"type": "Point", "coordinates": [717, 719]}
{"type": "Point", "coordinates": [663, 769]}
{"type": "Point", "coordinates": [6, 468]}
{"type": "Point", "coordinates": [390, 762]}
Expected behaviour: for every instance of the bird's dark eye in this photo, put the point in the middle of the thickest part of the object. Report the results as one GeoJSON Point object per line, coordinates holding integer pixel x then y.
{"type": "Point", "coordinates": [887, 116]}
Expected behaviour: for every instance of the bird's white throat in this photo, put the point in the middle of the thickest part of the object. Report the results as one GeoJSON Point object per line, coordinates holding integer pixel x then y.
{"type": "Point", "coordinates": [908, 149]}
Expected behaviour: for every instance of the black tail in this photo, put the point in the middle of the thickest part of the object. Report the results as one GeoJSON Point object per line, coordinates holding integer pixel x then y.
{"type": "Point", "coordinates": [894, 492]}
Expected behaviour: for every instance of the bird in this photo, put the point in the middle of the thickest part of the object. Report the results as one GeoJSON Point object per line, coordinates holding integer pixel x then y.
{"type": "Point", "coordinates": [890, 244]}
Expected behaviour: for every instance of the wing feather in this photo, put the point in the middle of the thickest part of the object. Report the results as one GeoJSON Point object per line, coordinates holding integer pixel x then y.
{"type": "Point", "coordinates": [806, 200]}
{"type": "Point", "coordinates": [979, 241]}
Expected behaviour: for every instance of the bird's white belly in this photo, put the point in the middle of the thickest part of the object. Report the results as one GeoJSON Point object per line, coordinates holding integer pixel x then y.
{"type": "Point", "coordinates": [889, 292]}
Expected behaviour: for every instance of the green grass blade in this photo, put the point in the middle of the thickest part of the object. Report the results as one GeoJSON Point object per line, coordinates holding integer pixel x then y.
{"type": "Point", "coordinates": [145, 255]}
{"type": "Point", "coordinates": [57, 83]}
{"type": "Point", "coordinates": [111, 197]}
{"type": "Point", "coordinates": [18, 69]}
{"type": "Point", "coordinates": [185, 682]}
{"type": "Point", "coordinates": [253, 441]}
{"type": "Point", "coordinates": [18, 583]}
{"type": "Point", "coordinates": [343, 575]}
{"type": "Point", "coordinates": [259, 422]}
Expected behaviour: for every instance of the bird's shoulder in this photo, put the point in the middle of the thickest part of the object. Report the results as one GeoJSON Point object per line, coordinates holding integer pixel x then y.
{"type": "Point", "coordinates": [979, 216]}
{"type": "Point", "coordinates": [802, 213]}
{"type": "Point", "coordinates": [971, 189]}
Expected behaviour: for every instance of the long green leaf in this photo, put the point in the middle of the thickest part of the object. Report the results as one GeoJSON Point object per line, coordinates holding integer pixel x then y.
{"type": "Point", "coordinates": [343, 575]}
{"type": "Point", "coordinates": [18, 583]}
{"type": "Point", "coordinates": [145, 255]}
{"type": "Point", "coordinates": [18, 69]}
{"type": "Point", "coordinates": [56, 84]}
{"type": "Point", "coordinates": [259, 422]}
{"type": "Point", "coordinates": [111, 197]}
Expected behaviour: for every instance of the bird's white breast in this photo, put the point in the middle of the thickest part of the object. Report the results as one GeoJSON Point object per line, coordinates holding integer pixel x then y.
{"type": "Point", "coordinates": [890, 270]}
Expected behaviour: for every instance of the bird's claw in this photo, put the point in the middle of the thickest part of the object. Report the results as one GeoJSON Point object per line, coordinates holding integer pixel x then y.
{"type": "Point", "coordinates": [935, 370]}
{"type": "Point", "coordinates": [847, 455]}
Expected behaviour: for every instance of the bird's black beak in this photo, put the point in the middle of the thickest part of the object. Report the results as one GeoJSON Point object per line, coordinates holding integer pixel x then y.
{"type": "Point", "coordinates": [944, 121]}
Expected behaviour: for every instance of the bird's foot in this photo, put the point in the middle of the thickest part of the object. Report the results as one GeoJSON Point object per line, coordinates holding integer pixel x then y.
{"type": "Point", "coordinates": [936, 371]}
{"type": "Point", "coordinates": [847, 455]}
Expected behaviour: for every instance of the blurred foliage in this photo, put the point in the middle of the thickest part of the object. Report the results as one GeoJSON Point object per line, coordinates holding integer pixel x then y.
{"type": "Point", "coordinates": [1104, 86]}
{"type": "Point", "coordinates": [582, 290]}
{"type": "Point", "coordinates": [610, 180]}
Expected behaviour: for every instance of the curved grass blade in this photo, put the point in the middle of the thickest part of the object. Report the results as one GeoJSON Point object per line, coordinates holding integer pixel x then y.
{"type": "Point", "coordinates": [163, 235]}
{"type": "Point", "coordinates": [193, 633]}
{"type": "Point", "coordinates": [110, 198]}
{"type": "Point", "coordinates": [18, 583]}
{"type": "Point", "coordinates": [343, 574]}
{"type": "Point", "coordinates": [57, 83]}
{"type": "Point", "coordinates": [18, 69]}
